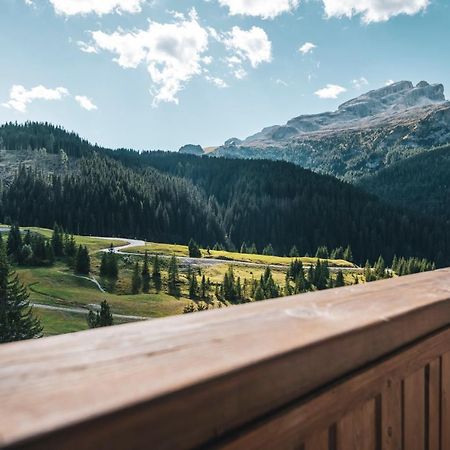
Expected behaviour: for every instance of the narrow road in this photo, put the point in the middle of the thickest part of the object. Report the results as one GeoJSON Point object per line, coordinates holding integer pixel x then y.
{"type": "Point", "coordinates": [84, 311]}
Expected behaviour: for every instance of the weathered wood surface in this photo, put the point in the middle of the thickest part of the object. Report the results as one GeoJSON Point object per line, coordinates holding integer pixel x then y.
{"type": "Point", "coordinates": [218, 376]}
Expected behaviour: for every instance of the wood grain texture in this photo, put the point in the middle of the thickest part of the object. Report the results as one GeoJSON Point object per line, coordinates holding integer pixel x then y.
{"type": "Point", "coordinates": [445, 411]}
{"type": "Point", "coordinates": [183, 381]}
{"type": "Point", "coordinates": [318, 442]}
{"type": "Point", "coordinates": [414, 411]}
{"type": "Point", "coordinates": [391, 414]}
{"type": "Point", "coordinates": [357, 430]}
{"type": "Point", "coordinates": [433, 407]}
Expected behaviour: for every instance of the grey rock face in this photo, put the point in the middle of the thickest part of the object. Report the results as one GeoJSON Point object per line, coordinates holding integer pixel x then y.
{"type": "Point", "coordinates": [362, 136]}
{"type": "Point", "coordinates": [191, 149]}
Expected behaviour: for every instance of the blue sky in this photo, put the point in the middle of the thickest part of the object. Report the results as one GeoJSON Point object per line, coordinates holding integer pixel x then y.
{"type": "Point", "coordinates": [159, 74]}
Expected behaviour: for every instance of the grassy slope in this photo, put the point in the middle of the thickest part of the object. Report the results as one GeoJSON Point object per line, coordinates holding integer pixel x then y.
{"type": "Point", "coordinates": [182, 250]}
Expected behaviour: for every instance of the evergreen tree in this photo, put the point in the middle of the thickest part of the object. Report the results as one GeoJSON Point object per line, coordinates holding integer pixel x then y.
{"type": "Point", "coordinates": [203, 288]}
{"type": "Point", "coordinates": [70, 246]}
{"type": "Point", "coordinates": [145, 275]}
{"type": "Point", "coordinates": [193, 285]}
{"type": "Point", "coordinates": [136, 280]}
{"type": "Point", "coordinates": [156, 274]}
{"type": "Point", "coordinates": [83, 261]}
{"type": "Point", "coordinates": [16, 317]}
{"type": "Point", "coordinates": [14, 245]}
{"type": "Point", "coordinates": [348, 255]}
{"type": "Point", "coordinates": [100, 319]}
{"type": "Point", "coordinates": [173, 280]}
{"type": "Point", "coordinates": [109, 267]}
{"type": "Point", "coordinates": [194, 250]}
{"type": "Point", "coordinates": [243, 248]}
{"type": "Point", "coordinates": [294, 252]}
{"type": "Point", "coordinates": [57, 241]}
{"type": "Point", "coordinates": [268, 250]}
{"type": "Point", "coordinates": [339, 279]}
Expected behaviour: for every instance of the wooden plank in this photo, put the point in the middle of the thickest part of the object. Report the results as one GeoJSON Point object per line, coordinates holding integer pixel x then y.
{"type": "Point", "coordinates": [180, 382]}
{"type": "Point", "coordinates": [391, 415]}
{"type": "Point", "coordinates": [414, 411]}
{"type": "Point", "coordinates": [433, 407]}
{"type": "Point", "coordinates": [296, 423]}
{"type": "Point", "coordinates": [357, 430]}
{"type": "Point", "coordinates": [319, 441]}
{"type": "Point", "coordinates": [445, 411]}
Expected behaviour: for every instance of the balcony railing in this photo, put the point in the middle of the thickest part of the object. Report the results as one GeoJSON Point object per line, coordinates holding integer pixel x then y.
{"type": "Point", "coordinates": [362, 367]}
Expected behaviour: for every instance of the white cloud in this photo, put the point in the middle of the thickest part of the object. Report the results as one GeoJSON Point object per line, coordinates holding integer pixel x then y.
{"type": "Point", "coordinates": [218, 82]}
{"type": "Point", "coordinates": [373, 10]}
{"type": "Point", "coordinates": [252, 45]}
{"type": "Point", "coordinates": [330, 91]}
{"type": "Point", "coordinates": [281, 82]}
{"type": "Point", "coordinates": [86, 48]}
{"type": "Point", "coordinates": [85, 102]}
{"type": "Point", "coordinates": [266, 9]}
{"type": "Point", "coordinates": [389, 82]}
{"type": "Point", "coordinates": [173, 52]}
{"type": "Point", "coordinates": [359, 83]}
{"type": "Point", "coordinates": [20, 97]}
{"type": "Point", "coordinates": [307, 47]}
{"type": "Point", "coordinates": [100, 7]}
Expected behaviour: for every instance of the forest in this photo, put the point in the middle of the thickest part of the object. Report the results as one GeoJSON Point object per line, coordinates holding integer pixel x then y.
{"type": "Point", "coordinates": [169, 197]}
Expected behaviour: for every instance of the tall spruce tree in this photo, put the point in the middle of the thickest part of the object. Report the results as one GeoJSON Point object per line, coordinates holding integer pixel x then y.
{"type": "Point", "coordinates": [103, 318]}
{"type": "Point", "coordinates": [194, 250]}
{"type": "Point", "coordinates": [83, 261]}
{"type": "Point", "coordinates": [173, 280]}
{"type": "Point", "coordinates": [17, 321]}
{"type": "Point", "coordinates": [145, 275]}
{"type": "Point", "coordinates": [156, 274]}
{"type": "Point", "coordinates": [136, 280]}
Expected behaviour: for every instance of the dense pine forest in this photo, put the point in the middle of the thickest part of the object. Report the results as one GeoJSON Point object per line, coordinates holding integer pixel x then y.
{"type": "Point", "coordinates": [421, 183]}
{"type": "Point", "coordinates": [171, 197]}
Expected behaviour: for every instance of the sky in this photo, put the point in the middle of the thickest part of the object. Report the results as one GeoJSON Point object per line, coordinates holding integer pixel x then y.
{"type": "Point", "coordinates": [158, 74]}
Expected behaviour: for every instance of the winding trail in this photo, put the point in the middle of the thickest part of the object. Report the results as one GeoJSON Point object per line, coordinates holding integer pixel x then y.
{"type": "Point", "coordinates": [85, 311]}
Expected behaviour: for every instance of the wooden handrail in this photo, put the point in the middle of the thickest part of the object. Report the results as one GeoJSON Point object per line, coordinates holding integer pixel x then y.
{"type": "Point", "coordinates": [211, 378]}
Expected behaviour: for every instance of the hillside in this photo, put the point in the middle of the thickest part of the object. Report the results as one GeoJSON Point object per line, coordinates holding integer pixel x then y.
{"type": "Point", "coordinates": [173, 197]}
{"type": "Point", "coordinates": [421, 183]}
{"type": "Point", "coordinates": [364, 135]}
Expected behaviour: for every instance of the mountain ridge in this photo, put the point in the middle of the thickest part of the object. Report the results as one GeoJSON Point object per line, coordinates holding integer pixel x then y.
{"type": "Point", "coordinates": [363, 135]}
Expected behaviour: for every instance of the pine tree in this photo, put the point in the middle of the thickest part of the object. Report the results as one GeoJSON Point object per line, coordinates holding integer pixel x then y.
{"type": "Point", "coordinates": [57, 241]}
{"type": "Point", "coordinates": [100, 319]}
{"type": "Point", "coordinates": [268, 250]}
{"type": "Point", "coordinates": [156, 274]}
{"type": "Point", "coordinates": [194, 250]}
{"type": "Point", "coordinates": [348, 255]}
{"type": "Point", "coordinates": [16, 317]}
{"type": "Point", "coordinates": [136, 280]}
{"type": "Point", "coordinates": [145, 275]}
{"type": "Point", "coordinates": [83, 261]}
{"type": "Point", "coordinates": [339, 279]}
{"type": "Point", "coordinates": [173, 280]}
{"type": "Point", "coordinates": [14, 245]}
{"type": "Point", "coordinates": [294, 252]}
{"type": "Point", "coordinates": [243, 248]}
{"type": "Point", "coordinates": [204, 288]}
{"type": "Point", "coordinates": [193, 286]}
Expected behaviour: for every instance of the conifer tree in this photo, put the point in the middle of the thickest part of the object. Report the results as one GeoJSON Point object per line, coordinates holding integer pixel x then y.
{"type": "Point", "coordinates": [339, 279]}
{"type": "Point", "coordinates": [83, 261]}
{"type": "Point", "coordinates": [173, 280]}
{"type": "Point", "coordinates": [145, 275]}
{"type": "Point", "coordinates": [194, 250]}
{"type": "Point", "coordinates": [193, 286]}
{"type": "Point", "coordinates": [104, 318]}
{"type": "Point", "coordinates": [57, 241]}
{"type": "Point", "coordinates": [136, 280]}
{"type": "Point", "coordinates": [243, 248]}
{"type": "Point", "coordinates": [294, 252]}
{"type": "Point", "coordinates": [14, 245]}
{"type": "Point", "coordinates": [16, 316]}
{"type": "Point", "coordinates": [156, 274]}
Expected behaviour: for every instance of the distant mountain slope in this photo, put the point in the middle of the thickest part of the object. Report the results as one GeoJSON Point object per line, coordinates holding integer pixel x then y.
{"type": "Point", "coordinates": [172, 197]}
{"type": "Point", "coordinates": [363, 136]}
{"type": "Point", "coordinates": [421, 183]}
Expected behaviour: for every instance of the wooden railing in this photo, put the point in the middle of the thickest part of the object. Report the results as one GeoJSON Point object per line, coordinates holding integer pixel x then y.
{"type": "Point", "coordinates": [363, 367]}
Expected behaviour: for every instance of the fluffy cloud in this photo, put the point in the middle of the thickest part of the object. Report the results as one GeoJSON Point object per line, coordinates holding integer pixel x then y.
{"type": "Point", "coordinates": [266, 9]}
{"type": "Point", "coordinates": [307, 47]}
{"type": "Point", "coordinates": [20, 97]}
{"type": "Point", "coordinates": [173, 52]}
{"type": "Point", "coordinates": [373, 10]}
{"type": "Point", "coordinates": [359, 83]}
{"type": "Point", "coordinates": [85, 102]}
{"type": "Point", "coordinates": [100, 7]}
{"type": "Point", "coordinates": [218, 82]}
{"type": "Point", "coordinates": [252, 45]}
{"type": "Point", "coordinates": [330, 91]}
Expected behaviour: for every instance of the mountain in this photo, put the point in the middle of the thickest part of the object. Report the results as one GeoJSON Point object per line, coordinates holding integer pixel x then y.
{"type": "Point", "coordinates": [364, 135]}
{"type": "Point", "coordinates": [191, 149]}
{"type": "Point", "coordinates": [420, 183]}
{"type": "Point", "coordinates": [172, 197]}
